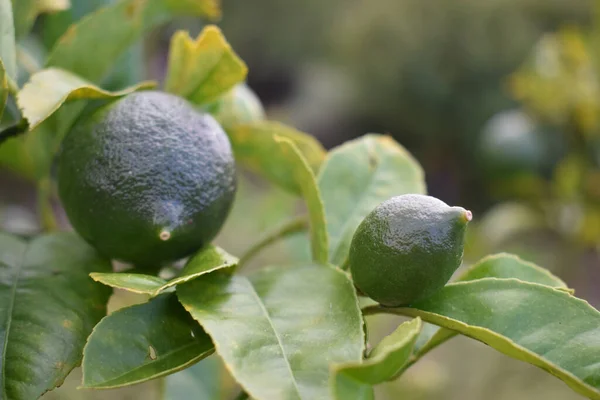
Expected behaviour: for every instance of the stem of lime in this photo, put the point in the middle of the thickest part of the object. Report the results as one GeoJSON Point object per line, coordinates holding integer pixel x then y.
{"type": "Point", "coordinates": [44, 205]}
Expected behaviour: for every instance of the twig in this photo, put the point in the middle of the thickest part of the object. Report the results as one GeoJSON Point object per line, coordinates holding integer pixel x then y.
{"type": "Point", "coordinates": [44, 205]}
{"type": "Point", "coordinates": [286, 229]}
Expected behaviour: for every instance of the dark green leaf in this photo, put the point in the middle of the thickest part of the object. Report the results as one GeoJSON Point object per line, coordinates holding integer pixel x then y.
{"type": "Point", "coordinates": [31, 155]}
{"type": "Point", "coordinates": [143, 342]}
{"type": "Point", "coordinates": [207, 260]}
{"type": "Point", "coordinates": [355, 178]}
{"type": "Point", "coordinates": [8, 50]}
{"type": "Point", "coordinates": [119, 26]}
{"type": "Point", "coordinates": [355, 380]}
{"type": "Point", "coordinates": [543, 326]}
{"type": "Point", "coordinates": [276, 336]}
{"type": "Point", "coordinates": [48, 89]}
{"type": "Point", "coordinates": [49, 306]}
{"type": "Point", "coordinates": [300, 172]}
{"type": "Point", "coordinates": [202, 70]}
{"type": "Point", "coordinates": [256, 150]}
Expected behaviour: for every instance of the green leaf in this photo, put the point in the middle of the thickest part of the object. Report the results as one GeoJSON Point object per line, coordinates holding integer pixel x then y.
{"type": "Point", "coordinates": [31, 155]}
{"type": "Point", "coordinates": [207, 260]}
{"type": "Point", "coordinates": [143, 342]}
{"type": "Point", "coordinates": [543, 326]}
{"type": "Point", "coordinates": [204, 69]}
{"type": "Point", "coordinates": [3, 88]}
{"type": "Point", "coordinates": [501, 265]}
{"type": "Point", "coordinates": [355, 380]}
{"type": "Point", "coordinates": [504, 265]}
{"type": "Point", "coordinates": [49, 306]}
{"type": "Point", "coordinates": [299, 170]}
{"type": "Point", "coordinates": [136, 283]}
{"type": "Point", "coordinates": [200, 381]}
{"type": "Point", "coordinates": [26, 11]}
{"type": "Point", "coordinates": [276, 336]}
{"type": "Point", "coordinates": [8, 50]}
{"type": "Point", "coordinates": [119, 26]}
{"type": "Point", "coordinates": [48, 89]}
{"type": "Point", "coordinates": [256, 150]}
{"type": "Point", "coordinates": [356, 177]}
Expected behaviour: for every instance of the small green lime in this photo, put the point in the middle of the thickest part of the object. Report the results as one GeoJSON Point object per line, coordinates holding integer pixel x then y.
{"type": "Point", "coordinates": [407, 248]}
{"type": "Point", "coordinates": [238, 106]}
{"type": "Point", "coordinates": [147, 179]}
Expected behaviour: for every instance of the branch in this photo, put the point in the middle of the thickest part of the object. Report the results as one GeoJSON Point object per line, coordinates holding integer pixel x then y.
{"type": "Point", "coordinates": [286, 229]}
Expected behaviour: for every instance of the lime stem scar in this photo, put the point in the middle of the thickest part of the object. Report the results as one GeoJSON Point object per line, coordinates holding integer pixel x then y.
{"type": "Point", "coordinates": [165, 235]}
{"type": "Point", "coordinates": [468, 215]}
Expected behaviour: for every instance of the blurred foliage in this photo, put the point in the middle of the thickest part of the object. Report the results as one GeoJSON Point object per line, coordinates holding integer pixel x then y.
{"type": "Point", "coordinates": [558, 86]}
{"type": "Point", "coordinates": [431, 75]}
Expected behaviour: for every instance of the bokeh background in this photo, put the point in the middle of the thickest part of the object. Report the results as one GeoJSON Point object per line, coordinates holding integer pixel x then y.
{"type": "Point", "coordinates": [499, 100]}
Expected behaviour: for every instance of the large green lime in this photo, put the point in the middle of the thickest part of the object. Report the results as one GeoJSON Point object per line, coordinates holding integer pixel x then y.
{"type": "Point", "coordinates": [147, 179]}
{"type": "Point", "coordinates": [407, 248]}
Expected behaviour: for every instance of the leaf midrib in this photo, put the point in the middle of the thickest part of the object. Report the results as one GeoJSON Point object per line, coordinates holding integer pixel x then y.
{"type": "Point", "coordinates": [115, 382]}
{"type": "Point", "coordinates": [279, 342]}
{"type": "Point", "coordinates": [11, 308]}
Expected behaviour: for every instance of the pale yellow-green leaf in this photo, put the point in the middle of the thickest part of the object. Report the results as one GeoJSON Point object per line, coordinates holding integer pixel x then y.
{"type": "Point", "coordinates": [48, 6]}
{"type": "Point", "coordinates": [301, 173]}
{"type": "Point", "coordinates": [203, 69]}
{"type": "Point", "coordinates": [255, 149]}
{"type": "Point", "coordinates": [205, 261]}
{"type": "Point", "coordinates": [48, 89]}
{"type": "Point", "coordinates": [8, 54]}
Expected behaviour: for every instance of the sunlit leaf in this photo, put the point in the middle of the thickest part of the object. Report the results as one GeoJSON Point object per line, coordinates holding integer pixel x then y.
{"type": "Point", "coordinates": [48, 89]}
{"type": "Point", "coordinates": [276, 336]}
{"type": "Point", "coordinates": [302, 175]}
{"type": "Point", "coordinates": [203, 69]}
{"type": "Point", "coordinates": [255, 149]}
{"type": "Point", "coordinates": [206, 260]}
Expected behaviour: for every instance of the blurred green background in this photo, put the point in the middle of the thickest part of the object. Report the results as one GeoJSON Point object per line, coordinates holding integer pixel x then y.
{"type": "Point", "coordinates": [498, 99]}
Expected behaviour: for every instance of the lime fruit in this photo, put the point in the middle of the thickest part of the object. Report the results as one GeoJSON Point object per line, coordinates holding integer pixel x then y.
{"type": "Point", "coordinates": [238, 106]}
{"type": "Point", "coordinates": [147, 179]}
{"type": "Point", "coordinates": [407, 248]}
